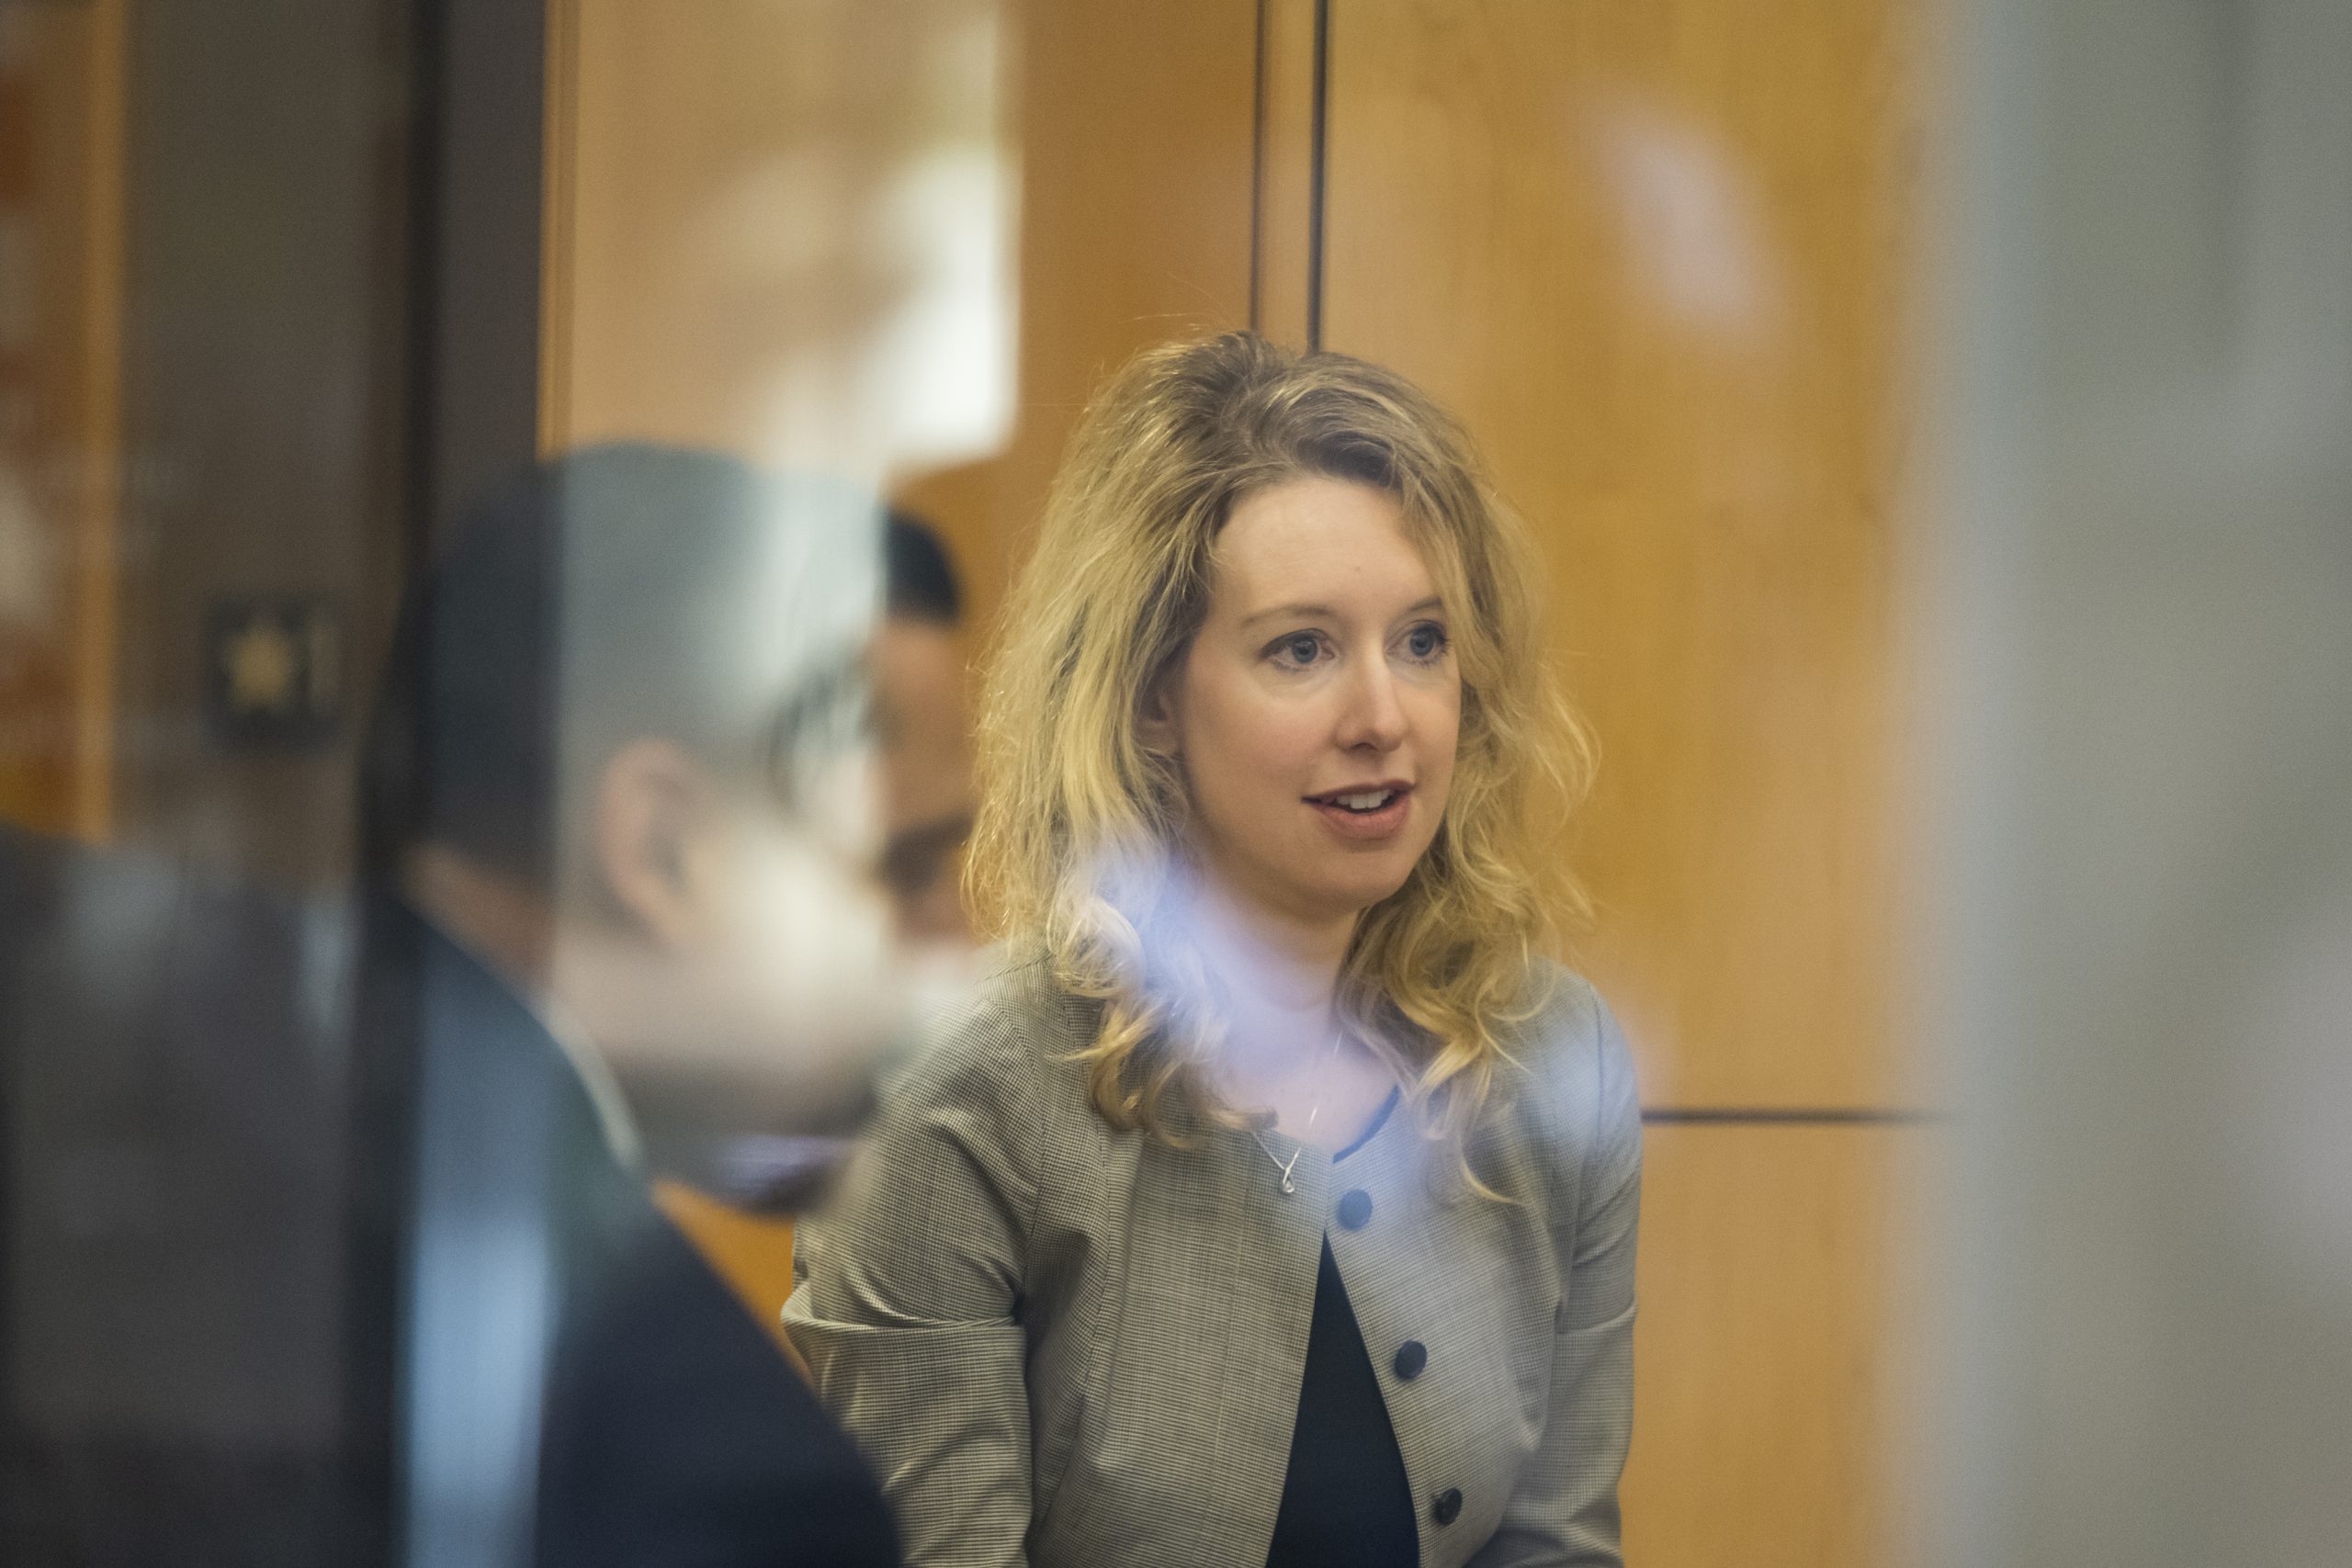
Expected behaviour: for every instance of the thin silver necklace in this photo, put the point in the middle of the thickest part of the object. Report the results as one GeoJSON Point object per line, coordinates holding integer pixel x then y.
{"type": "Point", "coordinates": [1287, 1166]}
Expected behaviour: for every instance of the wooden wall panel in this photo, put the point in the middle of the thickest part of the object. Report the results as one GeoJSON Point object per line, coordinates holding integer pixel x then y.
{"type": "Point", "coordinates": [1131, 130]}
{"type": "Point", "coordinates": [1290, 46]}
{"type": "Point", "coordinates": [1651, 250]}
{"type": "Point", "coordinates": [1137, 134]}
{"type": "Point", "coordinates": [1776, 1347]}
{"type": "Point", "coordinates": [63, 73]}
{"type": "Point", "coordinates": [728, 195]}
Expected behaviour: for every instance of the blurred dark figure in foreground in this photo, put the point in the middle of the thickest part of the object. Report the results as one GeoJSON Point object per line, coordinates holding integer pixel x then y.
{"type": "Point", "coordinates": [925, 735]}
{"type": "Point", "coordinates": [172, 1335]}
{"type": "Point", "coordinates": [620, 829]}
{"type": "Point", "coordinates": [619, 910]}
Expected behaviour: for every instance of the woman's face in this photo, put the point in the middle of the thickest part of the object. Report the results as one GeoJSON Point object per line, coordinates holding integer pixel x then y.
{"type": "Point", "coordinates": [1315, 715]}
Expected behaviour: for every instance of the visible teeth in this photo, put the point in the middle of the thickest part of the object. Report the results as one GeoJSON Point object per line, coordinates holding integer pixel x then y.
{"type": "Point", "coordinates": [1372, 802]}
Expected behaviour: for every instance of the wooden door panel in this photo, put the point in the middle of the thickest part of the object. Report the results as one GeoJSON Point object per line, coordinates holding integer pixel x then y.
{"type": "Point", "coordinates": [1651, 251]}
{"type": "Point", "coordinates": [1775, 1347]}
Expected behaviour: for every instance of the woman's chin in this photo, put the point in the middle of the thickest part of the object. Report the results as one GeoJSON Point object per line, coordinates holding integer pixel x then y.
{"type": "Point", "coordinates": [1354, 894]}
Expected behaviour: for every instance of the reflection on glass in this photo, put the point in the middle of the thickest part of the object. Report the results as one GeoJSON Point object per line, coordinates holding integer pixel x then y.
{"type": "Point", "coordinates": [417, 1181]}
{"type": "Point", "coordinates": [623, 787]}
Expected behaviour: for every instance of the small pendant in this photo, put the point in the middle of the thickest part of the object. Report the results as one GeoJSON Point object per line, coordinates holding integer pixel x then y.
{"type": "Point", "coordinates": [1288, 1186]}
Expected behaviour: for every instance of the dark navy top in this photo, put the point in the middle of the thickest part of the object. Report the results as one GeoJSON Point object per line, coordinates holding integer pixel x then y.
{"type": "Point", "coordinates": [1346, 1503]}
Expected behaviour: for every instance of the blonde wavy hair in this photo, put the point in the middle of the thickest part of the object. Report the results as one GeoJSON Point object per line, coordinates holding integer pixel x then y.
{"type": "Point", "coordinates": [1080, 821]}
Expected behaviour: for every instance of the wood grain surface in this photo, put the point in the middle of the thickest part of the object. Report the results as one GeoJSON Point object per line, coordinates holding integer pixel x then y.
{"type": "Point", "coordinates": [1651, 251]}
{"type": "Point", "coordinates": [1776, 1361]}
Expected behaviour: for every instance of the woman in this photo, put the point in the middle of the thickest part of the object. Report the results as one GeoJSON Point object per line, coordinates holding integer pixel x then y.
{"type": "Point", "coordinates": [1275, 1202]}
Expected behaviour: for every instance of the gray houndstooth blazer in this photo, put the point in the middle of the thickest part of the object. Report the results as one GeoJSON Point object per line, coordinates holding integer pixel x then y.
{"type": "Point", "coordinates": [1066, 1346]}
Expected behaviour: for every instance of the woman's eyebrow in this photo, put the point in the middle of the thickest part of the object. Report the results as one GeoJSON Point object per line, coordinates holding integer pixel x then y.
{"type": "Point", "coordinates": [1325, 611]}
{"type": "Point", "coordinates": [1290, 612]}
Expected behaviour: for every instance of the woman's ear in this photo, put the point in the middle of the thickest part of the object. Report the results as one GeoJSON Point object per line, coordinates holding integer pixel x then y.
{"type": "Point", "coordinates": [652, 807]}
{"type": "Point", "coordinates": [1156, 723]}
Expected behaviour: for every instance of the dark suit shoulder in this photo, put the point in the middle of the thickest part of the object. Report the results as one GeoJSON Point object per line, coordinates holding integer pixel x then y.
{"type": "Point", "coordinates": [677, 1433]}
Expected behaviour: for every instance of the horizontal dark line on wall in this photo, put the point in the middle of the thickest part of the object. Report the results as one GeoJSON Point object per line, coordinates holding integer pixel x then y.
{"type": "Point", "coordinates": [1792, 1116]}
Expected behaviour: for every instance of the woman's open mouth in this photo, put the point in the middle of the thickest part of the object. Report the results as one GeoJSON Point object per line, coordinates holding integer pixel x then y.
{"type": "Point", "coordinates": [1372, 811]}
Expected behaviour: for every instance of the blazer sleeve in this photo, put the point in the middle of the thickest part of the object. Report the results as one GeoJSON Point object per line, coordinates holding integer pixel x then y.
{"type": "Point", "coordinates": [1564, 1511]}
{"type": "Point", "coordinates": [909, 1286]}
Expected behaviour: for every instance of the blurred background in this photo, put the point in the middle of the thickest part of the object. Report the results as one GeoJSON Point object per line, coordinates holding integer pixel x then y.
{"type": "Point", "coordinates": [1937, 418]}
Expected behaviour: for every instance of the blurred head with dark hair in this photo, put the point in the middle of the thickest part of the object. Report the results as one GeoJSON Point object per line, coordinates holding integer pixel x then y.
{"type": "Point", "coordinates": [925, 734]}
{"type": "Point", "coordinates": [622, 756]}
{"type": "Point", "coordinates": [919, 581]}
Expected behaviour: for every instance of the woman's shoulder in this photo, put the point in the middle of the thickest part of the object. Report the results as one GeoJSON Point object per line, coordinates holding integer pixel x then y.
{"type": "Point", "coordinates": [1560, 1016]}
{"type": "Point", "coordinates": [1568, 1066]}
{"type": "Point", "coordinates": [1012, 1034]}
{"type": "Point", "coordinates": [1018, 1001]}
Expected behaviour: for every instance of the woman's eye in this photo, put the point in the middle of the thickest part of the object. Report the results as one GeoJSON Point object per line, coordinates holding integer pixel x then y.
{"type": "Point", "coordinates": [1425, 642]}
{"type": "Point", "coordinates": [1300, 649]}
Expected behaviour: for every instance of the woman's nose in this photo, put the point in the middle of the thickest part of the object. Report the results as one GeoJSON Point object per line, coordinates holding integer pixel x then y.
{"type": "Point", "coordinates": [1374, 716]}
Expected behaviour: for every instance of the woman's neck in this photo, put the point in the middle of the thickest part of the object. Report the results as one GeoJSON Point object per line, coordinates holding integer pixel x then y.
{"type": "Point", "coordinates": [1278, 960]}
{"type": "Point", "coordinates": [1279, 980]}
{"type": "Point", "coordinates": [1286, 1054]}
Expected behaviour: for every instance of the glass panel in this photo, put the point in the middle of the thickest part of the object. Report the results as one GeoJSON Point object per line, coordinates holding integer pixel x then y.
{"type": "Point", "coordinates": [1001, 780]}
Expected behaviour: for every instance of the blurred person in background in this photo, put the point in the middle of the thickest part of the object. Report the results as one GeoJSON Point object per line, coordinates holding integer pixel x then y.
{"type": "Point", "coordinates": [620, 814]}
{"type": "Point", "coordinates": [1275, 1202]}
{"type": "Point", "coordinates": [923, 747]}
{"type": "Point", "coordinates": [924, 735]}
